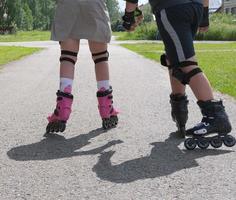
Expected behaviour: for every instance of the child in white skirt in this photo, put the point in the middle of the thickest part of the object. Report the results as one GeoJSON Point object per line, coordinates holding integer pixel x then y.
{"type": "Point", "coordinates": [75, 20]}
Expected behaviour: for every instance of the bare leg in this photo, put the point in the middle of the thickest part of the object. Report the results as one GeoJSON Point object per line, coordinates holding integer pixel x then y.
{"type": "Point", "coordinates": [176, 86]}
{"type": "Point", "coordinates": [199, 84]}
{"type": "Point", "coordinates": [101, 68]}
{"type": "Point", "coordinates": [58, 119]}
{"type": "Point", "coordinates": [67, 68]}
{"type": "Point", "coordinates": [105, 98]}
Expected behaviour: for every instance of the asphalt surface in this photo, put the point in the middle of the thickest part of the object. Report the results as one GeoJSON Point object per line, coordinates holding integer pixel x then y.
{"type": "Point", "coordinates": [140, 159]}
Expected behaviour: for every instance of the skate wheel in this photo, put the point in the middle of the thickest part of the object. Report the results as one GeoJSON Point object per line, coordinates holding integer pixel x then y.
{"type": "Point", "coordinates": [62, 127]}
{"type": "Point", "coordinates": [57, 127]}
{"type": "Point", "coordinates": [50, 127]}
{"type": "Point", "coordinates": [216, 142]}
{"type": "Point", "coordinates": [190, 144]}
{"type": "Point", "coordinates": [105, 124]}
{"type": "Point", "coordinates": [114, 120]}
{"type": "Point", "coordinates": [203, 143]}
{"type": "Point", "coordinates": [229, 141]}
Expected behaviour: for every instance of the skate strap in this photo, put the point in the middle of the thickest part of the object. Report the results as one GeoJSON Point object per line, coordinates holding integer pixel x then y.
{"type": "Point", "coordinates": [63, 94]}
{"type": "Point", "coordinates": [103, 94]}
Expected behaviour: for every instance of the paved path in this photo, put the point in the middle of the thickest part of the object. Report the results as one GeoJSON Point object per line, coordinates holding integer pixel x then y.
{"type": "Point", "coordinates": [140, 159]}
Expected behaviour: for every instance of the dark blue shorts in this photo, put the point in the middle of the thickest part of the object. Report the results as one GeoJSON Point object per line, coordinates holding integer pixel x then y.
{"type": "Point", "coordinates": [178, 26]}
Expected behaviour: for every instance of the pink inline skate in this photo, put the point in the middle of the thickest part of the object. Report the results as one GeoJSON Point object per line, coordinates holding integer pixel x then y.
{"type": "Point", "coordinates": [107, 112]}
{"type": "Point", "coordinates": [57, 121]}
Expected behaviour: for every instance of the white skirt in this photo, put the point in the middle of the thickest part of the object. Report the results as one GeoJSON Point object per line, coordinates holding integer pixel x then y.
{"type": "Point", "coordinates": [81, 19]}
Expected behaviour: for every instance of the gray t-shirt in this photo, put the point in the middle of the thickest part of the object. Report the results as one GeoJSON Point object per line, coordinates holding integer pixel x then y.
{"type": "Point", "coordinates": [158, 5]}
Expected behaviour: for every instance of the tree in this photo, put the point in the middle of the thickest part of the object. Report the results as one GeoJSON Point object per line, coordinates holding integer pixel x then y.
{"type": "Point", "coordinates": [38, 14]}
{"type": "Point", "coordinates": [114, 13]}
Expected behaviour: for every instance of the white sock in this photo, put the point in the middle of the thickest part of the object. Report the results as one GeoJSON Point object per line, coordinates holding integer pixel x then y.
{"type": "Point", "coordinates": [103, 84]}
{"type": "Point", "coordinates": [66, 85]}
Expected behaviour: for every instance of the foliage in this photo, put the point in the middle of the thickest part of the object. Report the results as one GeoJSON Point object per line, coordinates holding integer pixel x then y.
{"type": "Point", "coordinates": [222, 27]}
{"type": "Point", "coordinates": [22, 36]}
{"type": "Point", "coordinates": [8, 54]}
{"type": "Point", "coordinates": [26, 14]}
{"type": "Point", "coordinates": [38, 14]}
{"type": "Point", "coordinates": [146, 31]}
{"type": "Point", "coordinates": [217, 61]}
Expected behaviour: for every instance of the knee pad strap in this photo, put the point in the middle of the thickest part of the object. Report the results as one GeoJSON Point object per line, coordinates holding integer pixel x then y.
{"type": "Point", "coordinates": [100, 57]}
{"type": "Point", "coordinates": [185, 78]}
{"type": "Point", "coordinates": [65, 54]}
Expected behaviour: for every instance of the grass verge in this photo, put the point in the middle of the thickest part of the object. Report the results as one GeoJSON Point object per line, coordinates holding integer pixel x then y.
{"type": "Point", "coordinates": [23, 36]}
{"type": "Point", "coordinates": [218, 61]}
{"type": "Point", "coordinates": [8, 54]}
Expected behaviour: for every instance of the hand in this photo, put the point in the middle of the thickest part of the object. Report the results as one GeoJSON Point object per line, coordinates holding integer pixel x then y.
{"type": "Point", "coordinates": [132, 19]}
{"type": "Point", "coordinates": [129, 21]}
{"type": "Point", "coordinates": [203, 29]}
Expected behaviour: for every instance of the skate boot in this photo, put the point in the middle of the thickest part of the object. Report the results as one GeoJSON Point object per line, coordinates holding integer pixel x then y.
{"type": "Point", "coordinates": [179, 112]}
{"type": "Point", "coordinates": [107, 112]}
{"type": "Point", "coordinates": [57, 121]}
{"type": "Point", "coordinates": [215, 123]}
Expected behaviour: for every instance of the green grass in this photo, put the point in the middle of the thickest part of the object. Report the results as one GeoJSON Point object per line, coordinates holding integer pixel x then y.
{"type": "Point", "coordinates": [8, 54]}
{"type": "Point", "coordinates": [23, 36]}
{"type": "Point", "coordinates": [217, 60]}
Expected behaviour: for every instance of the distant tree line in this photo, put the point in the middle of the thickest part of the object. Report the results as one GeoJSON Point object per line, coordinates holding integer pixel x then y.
{"type": "Point", "coordinates": [27, 14]}
{"type": "Point", "coordinates": [38, 14]}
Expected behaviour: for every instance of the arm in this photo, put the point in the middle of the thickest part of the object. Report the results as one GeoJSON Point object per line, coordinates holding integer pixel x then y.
{"type": "Point", "coordinates": [131, 5]}
{"type": "Point", "coordinates": [204, 25]}
{"type": "Point", "coordinates": [133, 16]}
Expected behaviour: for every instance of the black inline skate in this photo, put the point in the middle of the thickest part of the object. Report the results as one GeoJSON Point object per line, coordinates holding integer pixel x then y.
{"type": "Point", "coordinates": [215, 122]}
{"type": "Point", "coordinates": [179, 112]}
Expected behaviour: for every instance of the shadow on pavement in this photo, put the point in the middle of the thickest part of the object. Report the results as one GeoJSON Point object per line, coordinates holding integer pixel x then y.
{"type": "Point", "coordinates": [56, 146]}
{"type": "Point", "coordinates": [165, 158]}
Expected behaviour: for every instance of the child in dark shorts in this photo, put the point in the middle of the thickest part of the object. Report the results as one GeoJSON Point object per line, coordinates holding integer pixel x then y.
{"type": "Point", "coordinates": [178, 21]}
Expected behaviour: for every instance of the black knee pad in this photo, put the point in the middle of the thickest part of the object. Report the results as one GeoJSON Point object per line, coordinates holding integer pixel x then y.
{"type": "Point", "coordinates": [100, 57]}
{"type": "Point", "coordinates": [65, 54]}
{"type": "Point", "coordinates": [163, 60]}
{"type": "Point", "coordinates": [185, 78]}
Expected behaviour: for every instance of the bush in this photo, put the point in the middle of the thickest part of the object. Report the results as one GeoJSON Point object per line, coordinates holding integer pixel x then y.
{"type": "Point", "coordinates": [147, 31]}
{"type": "Point", "coordinates": [222, 27]}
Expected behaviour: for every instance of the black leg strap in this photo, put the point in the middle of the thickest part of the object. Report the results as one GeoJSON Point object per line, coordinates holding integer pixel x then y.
{"type": "Point", "coordinates": [100, 57]}
{"type": "Point", "coordinates": [191, 74]}
{"type": "Point", "coordinates": [65, 54]}
{"type": "Point", "coordinates": [69, 53]}
{"type": "Point", "coordinates": [67, 59]}
{"type": "Point", "coordinates": [99, 54]}
{"type": "Point", "coordinates": [185, 78]}
{"type": "Point", "coordinates": [187, 63]}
